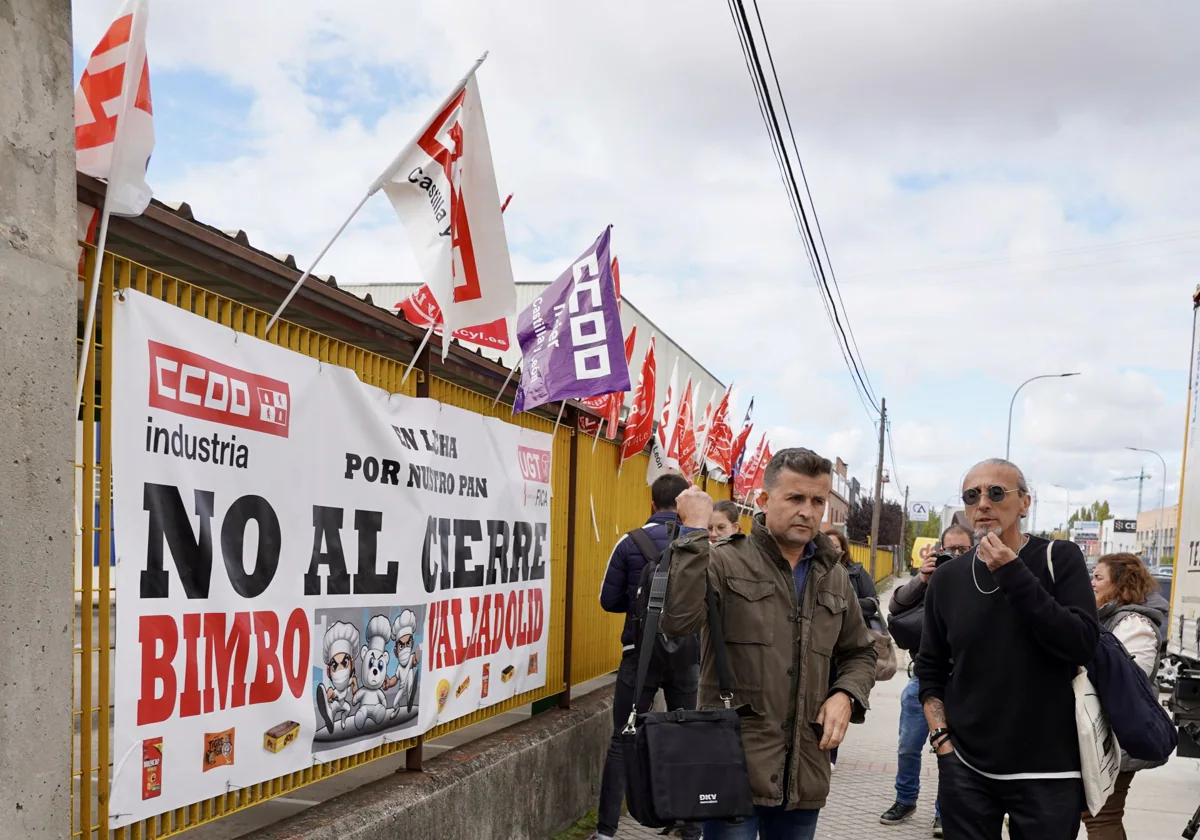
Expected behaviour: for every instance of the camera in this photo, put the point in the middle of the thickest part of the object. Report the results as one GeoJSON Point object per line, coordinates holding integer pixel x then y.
{"type": "Point", "coordinates": [942, 557]}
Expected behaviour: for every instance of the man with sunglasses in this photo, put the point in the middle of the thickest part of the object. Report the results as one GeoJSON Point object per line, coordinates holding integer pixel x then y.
{"type": "Point", "coordinates": [908, 600]}
{"type": "Point", "coordinates": [1002, 641]}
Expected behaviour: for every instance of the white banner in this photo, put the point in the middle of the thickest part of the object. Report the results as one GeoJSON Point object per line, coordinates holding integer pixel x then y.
{"type": "Point", "coordinates": [308, 567]}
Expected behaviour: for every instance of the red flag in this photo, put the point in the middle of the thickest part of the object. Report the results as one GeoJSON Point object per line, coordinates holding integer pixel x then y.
{"type": "Point", "coordinates": [684, 443]}
{"type": "Point", "coordinates": [115, 91]}
{"type": "Point", "coordinates": [760, 473]}
{"type": "Point", "coordinates": [609, 405]}
{"type": "Point", "coordinates": [640, 424]}
{"type": "Point", "coordinates": [739, 444]}
{"type": "Point", "coordinates": [616, 270]}
{"type": "Point", "coordinates": [744, 481]}
{"type": "Point", "coordinates": [719, 444]}
{"type": "Point", "coordinates": [421, 309]}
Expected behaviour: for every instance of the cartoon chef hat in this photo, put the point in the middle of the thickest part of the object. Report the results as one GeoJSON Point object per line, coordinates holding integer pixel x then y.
{"type": "Point", "coordinates": [404, 625]}
{"type": "Point", "coordinates": [379, 632]}
{"type": "Point", "coordinates": [340, 638]}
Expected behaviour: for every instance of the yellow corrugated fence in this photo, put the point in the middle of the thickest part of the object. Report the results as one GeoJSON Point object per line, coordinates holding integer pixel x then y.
{"type": "Point", "coordinates": [607, 502]}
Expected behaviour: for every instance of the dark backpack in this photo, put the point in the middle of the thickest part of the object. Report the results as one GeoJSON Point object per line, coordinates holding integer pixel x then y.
{"type": "Point", "coordinates": [670, 645]}
{"type": "Point", "coordinates": [1142, 726]}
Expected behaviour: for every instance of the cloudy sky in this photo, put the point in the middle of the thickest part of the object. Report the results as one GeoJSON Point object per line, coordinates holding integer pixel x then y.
{"type": "Point", "coordinates": [1007, 189]}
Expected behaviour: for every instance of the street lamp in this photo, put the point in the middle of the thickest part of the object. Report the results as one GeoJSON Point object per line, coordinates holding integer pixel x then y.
{"type": "Point", "coordinates": [1008, 439]}
{"type": "Point", "coordinates": [1162, 500]}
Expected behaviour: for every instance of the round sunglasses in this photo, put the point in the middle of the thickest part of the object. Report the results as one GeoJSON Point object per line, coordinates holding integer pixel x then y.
{"type": "Point", "coordinates": [996, 494]}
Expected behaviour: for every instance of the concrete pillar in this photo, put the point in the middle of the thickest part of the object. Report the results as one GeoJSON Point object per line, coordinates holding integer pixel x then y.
{"type": "Point", "coordinates": [37, 426]}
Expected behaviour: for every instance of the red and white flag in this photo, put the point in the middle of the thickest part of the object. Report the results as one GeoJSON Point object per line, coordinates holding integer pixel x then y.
{"type": "Point", "coordinates": [420, 309]}
{"type": "Point", "coordinates": [665, 428]}
{"type": "Point", "coordinates": [719, 444]}
{"type": "Point", "coordinates": [760, 474]}
{"type": "Point", "coordinates": [114, 120]}
{"type": "Point", "coordinates": [743, 482]}
{"type": "Point", "coordinates": [443, 188]}
{"type": "Point", "coordinates": [640, 425]}
{"type": "Point", "coordinates": [683, 446]}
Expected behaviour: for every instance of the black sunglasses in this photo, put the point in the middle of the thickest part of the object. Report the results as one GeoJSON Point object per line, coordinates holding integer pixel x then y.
{"type": "Point", "coordinates": [996, 494]}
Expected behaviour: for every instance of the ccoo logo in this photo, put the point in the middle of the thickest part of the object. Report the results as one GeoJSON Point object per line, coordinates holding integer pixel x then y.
{"type": "Point", "coordinates": [195, 386]}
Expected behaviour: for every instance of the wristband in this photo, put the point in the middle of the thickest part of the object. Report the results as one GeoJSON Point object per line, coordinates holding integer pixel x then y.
{"type": "Point", "coordinates": [938, 737]}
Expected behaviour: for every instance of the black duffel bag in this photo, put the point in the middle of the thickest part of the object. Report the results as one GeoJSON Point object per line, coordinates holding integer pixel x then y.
{"type": "Point", "coordinates": [685, 765]}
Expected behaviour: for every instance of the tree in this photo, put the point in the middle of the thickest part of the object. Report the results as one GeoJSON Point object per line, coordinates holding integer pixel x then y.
{"type": "Point", "coordinates": [1096, 512]}
{"type": "Point", "coordinates": [858, 522]}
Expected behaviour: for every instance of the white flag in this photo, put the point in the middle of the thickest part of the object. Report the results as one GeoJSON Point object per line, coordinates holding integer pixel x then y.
{"type": "Point", "coordinates": [114, 121]}
{"type": "Point", "coordinates": [666, 420]}
{"type": "Point", "coordinates": [443, 187]}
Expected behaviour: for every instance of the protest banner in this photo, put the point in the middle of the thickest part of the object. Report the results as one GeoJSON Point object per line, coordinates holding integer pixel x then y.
{"type": "Point", "coordinates": [571, 341]}
{"type": "Point", "coordinates": [308, 567]}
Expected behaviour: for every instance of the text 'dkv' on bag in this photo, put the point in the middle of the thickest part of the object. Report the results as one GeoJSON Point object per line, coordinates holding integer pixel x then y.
{"type": "Point", "coordinates": [684, 765]}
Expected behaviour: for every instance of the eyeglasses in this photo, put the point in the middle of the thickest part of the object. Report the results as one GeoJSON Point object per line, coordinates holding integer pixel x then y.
{"type": "Point", "coordinates": [957, 550]}
{"type": "Point", "coordinates": [996, 494]}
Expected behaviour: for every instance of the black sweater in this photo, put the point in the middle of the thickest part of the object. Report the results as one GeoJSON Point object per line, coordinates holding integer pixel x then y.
{"type": "Point", "coordinates": [1003, 662]}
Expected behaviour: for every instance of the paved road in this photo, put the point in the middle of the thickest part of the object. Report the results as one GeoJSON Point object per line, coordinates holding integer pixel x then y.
{"type": "Point", "coordinates": [1160, 802]}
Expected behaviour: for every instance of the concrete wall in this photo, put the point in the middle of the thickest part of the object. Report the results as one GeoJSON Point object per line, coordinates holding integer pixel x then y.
{"type": "Point", "coordinates": [526, 782]}
{"type": "Point", "coordinates": [37, 426]}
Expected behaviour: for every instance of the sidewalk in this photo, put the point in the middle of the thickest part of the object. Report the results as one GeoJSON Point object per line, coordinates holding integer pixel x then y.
{"type": "Point", "coordinates": [1160, 802]}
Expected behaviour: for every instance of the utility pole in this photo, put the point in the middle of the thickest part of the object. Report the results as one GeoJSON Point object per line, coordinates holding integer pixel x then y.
{"type": "Point", "coordinates": [878, 507]}
{"type": "Point", "coordinates": [896, 561]}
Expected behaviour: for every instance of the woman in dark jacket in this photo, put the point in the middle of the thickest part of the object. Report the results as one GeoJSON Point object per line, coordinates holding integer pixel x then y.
{"type": "Point", "coordinates": [868, 599]}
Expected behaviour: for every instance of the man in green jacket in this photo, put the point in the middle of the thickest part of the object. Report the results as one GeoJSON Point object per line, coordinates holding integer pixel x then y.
{"type": "Point", "coordinates": [788, 611]}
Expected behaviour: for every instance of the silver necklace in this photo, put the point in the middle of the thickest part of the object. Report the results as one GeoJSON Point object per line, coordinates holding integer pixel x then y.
{"type": "Point", "coordinates": [975, 575]}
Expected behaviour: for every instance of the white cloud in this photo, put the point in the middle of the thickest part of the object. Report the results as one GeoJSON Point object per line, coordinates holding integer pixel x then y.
{"type": "Point", "coordinates": [1039, 128]}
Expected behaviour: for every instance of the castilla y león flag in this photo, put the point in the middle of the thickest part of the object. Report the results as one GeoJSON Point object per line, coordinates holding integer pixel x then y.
{"type": "Point", "coordinates": [443, 188]}
{"type": "Point", "coordinates": [640, 424]}
{"type": "Point", "coordinates": [114, 121]}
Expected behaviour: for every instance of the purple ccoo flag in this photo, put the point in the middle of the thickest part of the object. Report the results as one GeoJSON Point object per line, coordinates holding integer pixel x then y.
{"type": "Point", "coordinates": [572, 345]}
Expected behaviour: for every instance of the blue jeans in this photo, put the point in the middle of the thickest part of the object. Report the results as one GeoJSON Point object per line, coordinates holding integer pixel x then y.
{"type": "Point", "coordinates": [767, 824]}
{"type": "Point", "coordinates": [914, 733]}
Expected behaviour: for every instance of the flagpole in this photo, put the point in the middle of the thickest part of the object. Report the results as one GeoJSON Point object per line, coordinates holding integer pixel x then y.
{"type": "Point", "coordinates": [376, 186]}
{"type": "Point", "coordinates": [596, 439]}
{"type": "Point", "coordinates": [89, 321]}
{"type": "Point", "coordinates": [417, 355]}
{"type": "Point", "coordinates": [558, 419]}
{"type": "Point", "coordinates": [507, 379]}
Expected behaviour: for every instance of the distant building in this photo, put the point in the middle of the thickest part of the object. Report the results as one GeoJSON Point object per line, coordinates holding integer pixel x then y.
{"type": "Point", "coordinates": [666, 350]}
{"type": "Point", "coordinates": [840, 501]}
{"type": "Point", "coordinates": [1156, 534]}
{"type": "Point", "coordinates": [1118, 536]}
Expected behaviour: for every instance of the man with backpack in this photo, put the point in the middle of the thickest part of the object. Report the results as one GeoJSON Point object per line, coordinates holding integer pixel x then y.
{"type": "Point", "coordinates": [675, 663]}
{"type": "Point", "coordinates": [1007, 628]}
{"type": "Point", "coordinates": [905, 619]}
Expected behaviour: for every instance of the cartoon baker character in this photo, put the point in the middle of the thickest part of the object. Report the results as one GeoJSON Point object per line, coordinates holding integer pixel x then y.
{"type": "Point", "coordinates": [371, 700]}
{"type": "Point", "coordinates": [408, 662]}
{"type": "Point", "coordinates": [341, 641]}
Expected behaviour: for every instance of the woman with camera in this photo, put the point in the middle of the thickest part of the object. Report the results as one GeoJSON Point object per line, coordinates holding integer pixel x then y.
{"type": "Point", "coordinates": [1130, 608]}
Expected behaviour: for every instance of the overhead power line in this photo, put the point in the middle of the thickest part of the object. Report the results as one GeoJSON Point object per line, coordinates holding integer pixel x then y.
{"type": "Point", "coordinates": [826, 282]}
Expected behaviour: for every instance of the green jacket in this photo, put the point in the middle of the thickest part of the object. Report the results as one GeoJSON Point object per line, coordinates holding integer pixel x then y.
{"type": "Point", "coordinates": [779, 657]}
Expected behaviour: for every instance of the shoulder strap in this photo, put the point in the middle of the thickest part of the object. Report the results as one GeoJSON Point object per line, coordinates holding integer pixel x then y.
{"type": "Point", "coordinates": [1050, 559]}
{"type": "Point", "coordinates": [645, 544]}
{"type": "Point", "coordinates": [658, 597]}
